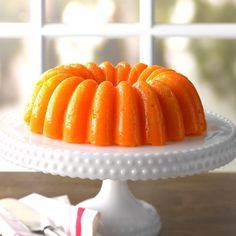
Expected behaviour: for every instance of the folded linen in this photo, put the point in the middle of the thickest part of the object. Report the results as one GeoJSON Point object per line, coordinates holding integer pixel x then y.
{"type": "Point", "coordinates": [74, 220]}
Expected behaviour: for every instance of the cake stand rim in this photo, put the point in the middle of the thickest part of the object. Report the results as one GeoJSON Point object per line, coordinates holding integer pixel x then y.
{"type": "Point", "coordinates": [122, 166]}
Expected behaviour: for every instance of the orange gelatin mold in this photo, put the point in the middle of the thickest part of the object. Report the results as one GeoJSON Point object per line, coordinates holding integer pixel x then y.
{"type": "Point", "coordinates": [115, 105]}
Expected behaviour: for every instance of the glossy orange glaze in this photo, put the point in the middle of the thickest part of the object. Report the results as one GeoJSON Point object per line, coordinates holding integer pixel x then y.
{"type": "Point", "coordinates": [185, 102]}
{"type": "Point", "coordinates": [154, 125]}
{"type": "Point", "coordinates": [171, 111]}
{"type": "Point", "coordinates": [127, 126]}
{"type": "Point", "coordinates": [147, 72]}
{"type": "Point", "coordinates": [189, 87]}
{"type": "Point", "coordinates": [53, 123]}
{"type": "Point", "coordinates": [135, 72]}
{"type": "Point", "coordinates": [76, 70]}
{"type": "Point", "coordinates": [108, 105]}
{"type": "Point", "coordinates": [76, 118]}
{"type": "Point", "coordinates": [122, 71]}
{"type": "Point", "coordinates": [41, 102]}
{"type": "Point", "coordinates": [96, 71]}
{"type": "Point", "coordinates": [30, 104]}
{"type": "Point", "coordinates": [29, 107]}
{"type": "Point", "coordinates": [101, 120]}
{"type": "Point", "coordinates": [157, 72]}
{"type": "Point", "coordinates": [109, 71]}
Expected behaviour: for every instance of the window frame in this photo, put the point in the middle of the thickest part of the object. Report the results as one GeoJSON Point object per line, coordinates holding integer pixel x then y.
{"type": "Point", "coordinates": [145, 30]}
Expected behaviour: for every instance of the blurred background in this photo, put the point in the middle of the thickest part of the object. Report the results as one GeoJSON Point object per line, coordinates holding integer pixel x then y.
{"type": "Point", "coordinates": [28, 47]}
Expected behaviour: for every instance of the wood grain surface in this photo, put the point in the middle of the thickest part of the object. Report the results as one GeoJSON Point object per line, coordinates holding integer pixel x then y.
{"type": "Point", "coordinates": [202, 205]}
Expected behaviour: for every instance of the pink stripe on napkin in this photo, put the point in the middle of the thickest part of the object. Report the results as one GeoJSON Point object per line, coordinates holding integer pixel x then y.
{"type": "Point", "coordinates": [78, 221]}
{"type": "Point", "coordinates": [86, 222]}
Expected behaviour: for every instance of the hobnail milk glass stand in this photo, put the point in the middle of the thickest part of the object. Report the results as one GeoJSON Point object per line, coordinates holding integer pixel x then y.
{"type": "Point", "coordinates": [121, 213]}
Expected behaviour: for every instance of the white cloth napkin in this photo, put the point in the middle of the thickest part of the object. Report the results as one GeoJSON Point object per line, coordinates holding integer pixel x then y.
{"type": "Point", "coordinates": [10, 226]}
{"type": "Point", "coordinates": [75, 221]}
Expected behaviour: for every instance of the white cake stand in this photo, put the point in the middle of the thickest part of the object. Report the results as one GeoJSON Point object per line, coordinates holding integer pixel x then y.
{"type": "Point", "coordinates": [121, 213]}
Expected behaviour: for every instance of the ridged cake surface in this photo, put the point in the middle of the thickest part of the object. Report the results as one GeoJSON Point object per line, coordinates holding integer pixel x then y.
{"type": "Point", "coordinates": [115, 105]}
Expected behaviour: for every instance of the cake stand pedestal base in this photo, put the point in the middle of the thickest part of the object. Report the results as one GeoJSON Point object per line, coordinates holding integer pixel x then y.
{"type": "Point", "coordinates": [121, 213]}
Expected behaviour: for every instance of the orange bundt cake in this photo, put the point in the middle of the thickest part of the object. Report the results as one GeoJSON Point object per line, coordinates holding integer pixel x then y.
{"type": "Point", "coordinates": [115, 105]}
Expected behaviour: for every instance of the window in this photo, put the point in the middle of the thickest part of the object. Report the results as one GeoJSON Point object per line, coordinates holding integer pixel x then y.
{"type": "Point", "coordinates": [195, 37]}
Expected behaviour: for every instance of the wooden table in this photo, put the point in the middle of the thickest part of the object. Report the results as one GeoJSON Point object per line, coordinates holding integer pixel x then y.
{"type": "Point", "coordinates": [202, 205]}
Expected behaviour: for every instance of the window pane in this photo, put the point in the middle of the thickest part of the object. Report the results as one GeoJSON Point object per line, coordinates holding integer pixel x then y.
{"type": "Point", "coordinates": [209, 63]}
{"type": "Point", "coordinates": [193, 11]}
{"type": "Point", "coordinates": [67, 50]}
{"type": "Point", "coordinates": [14, 11]}
{"type": "Point", "coordinates": [83, 12]}
{"type": "Point", "coordinates": [14, 76]}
